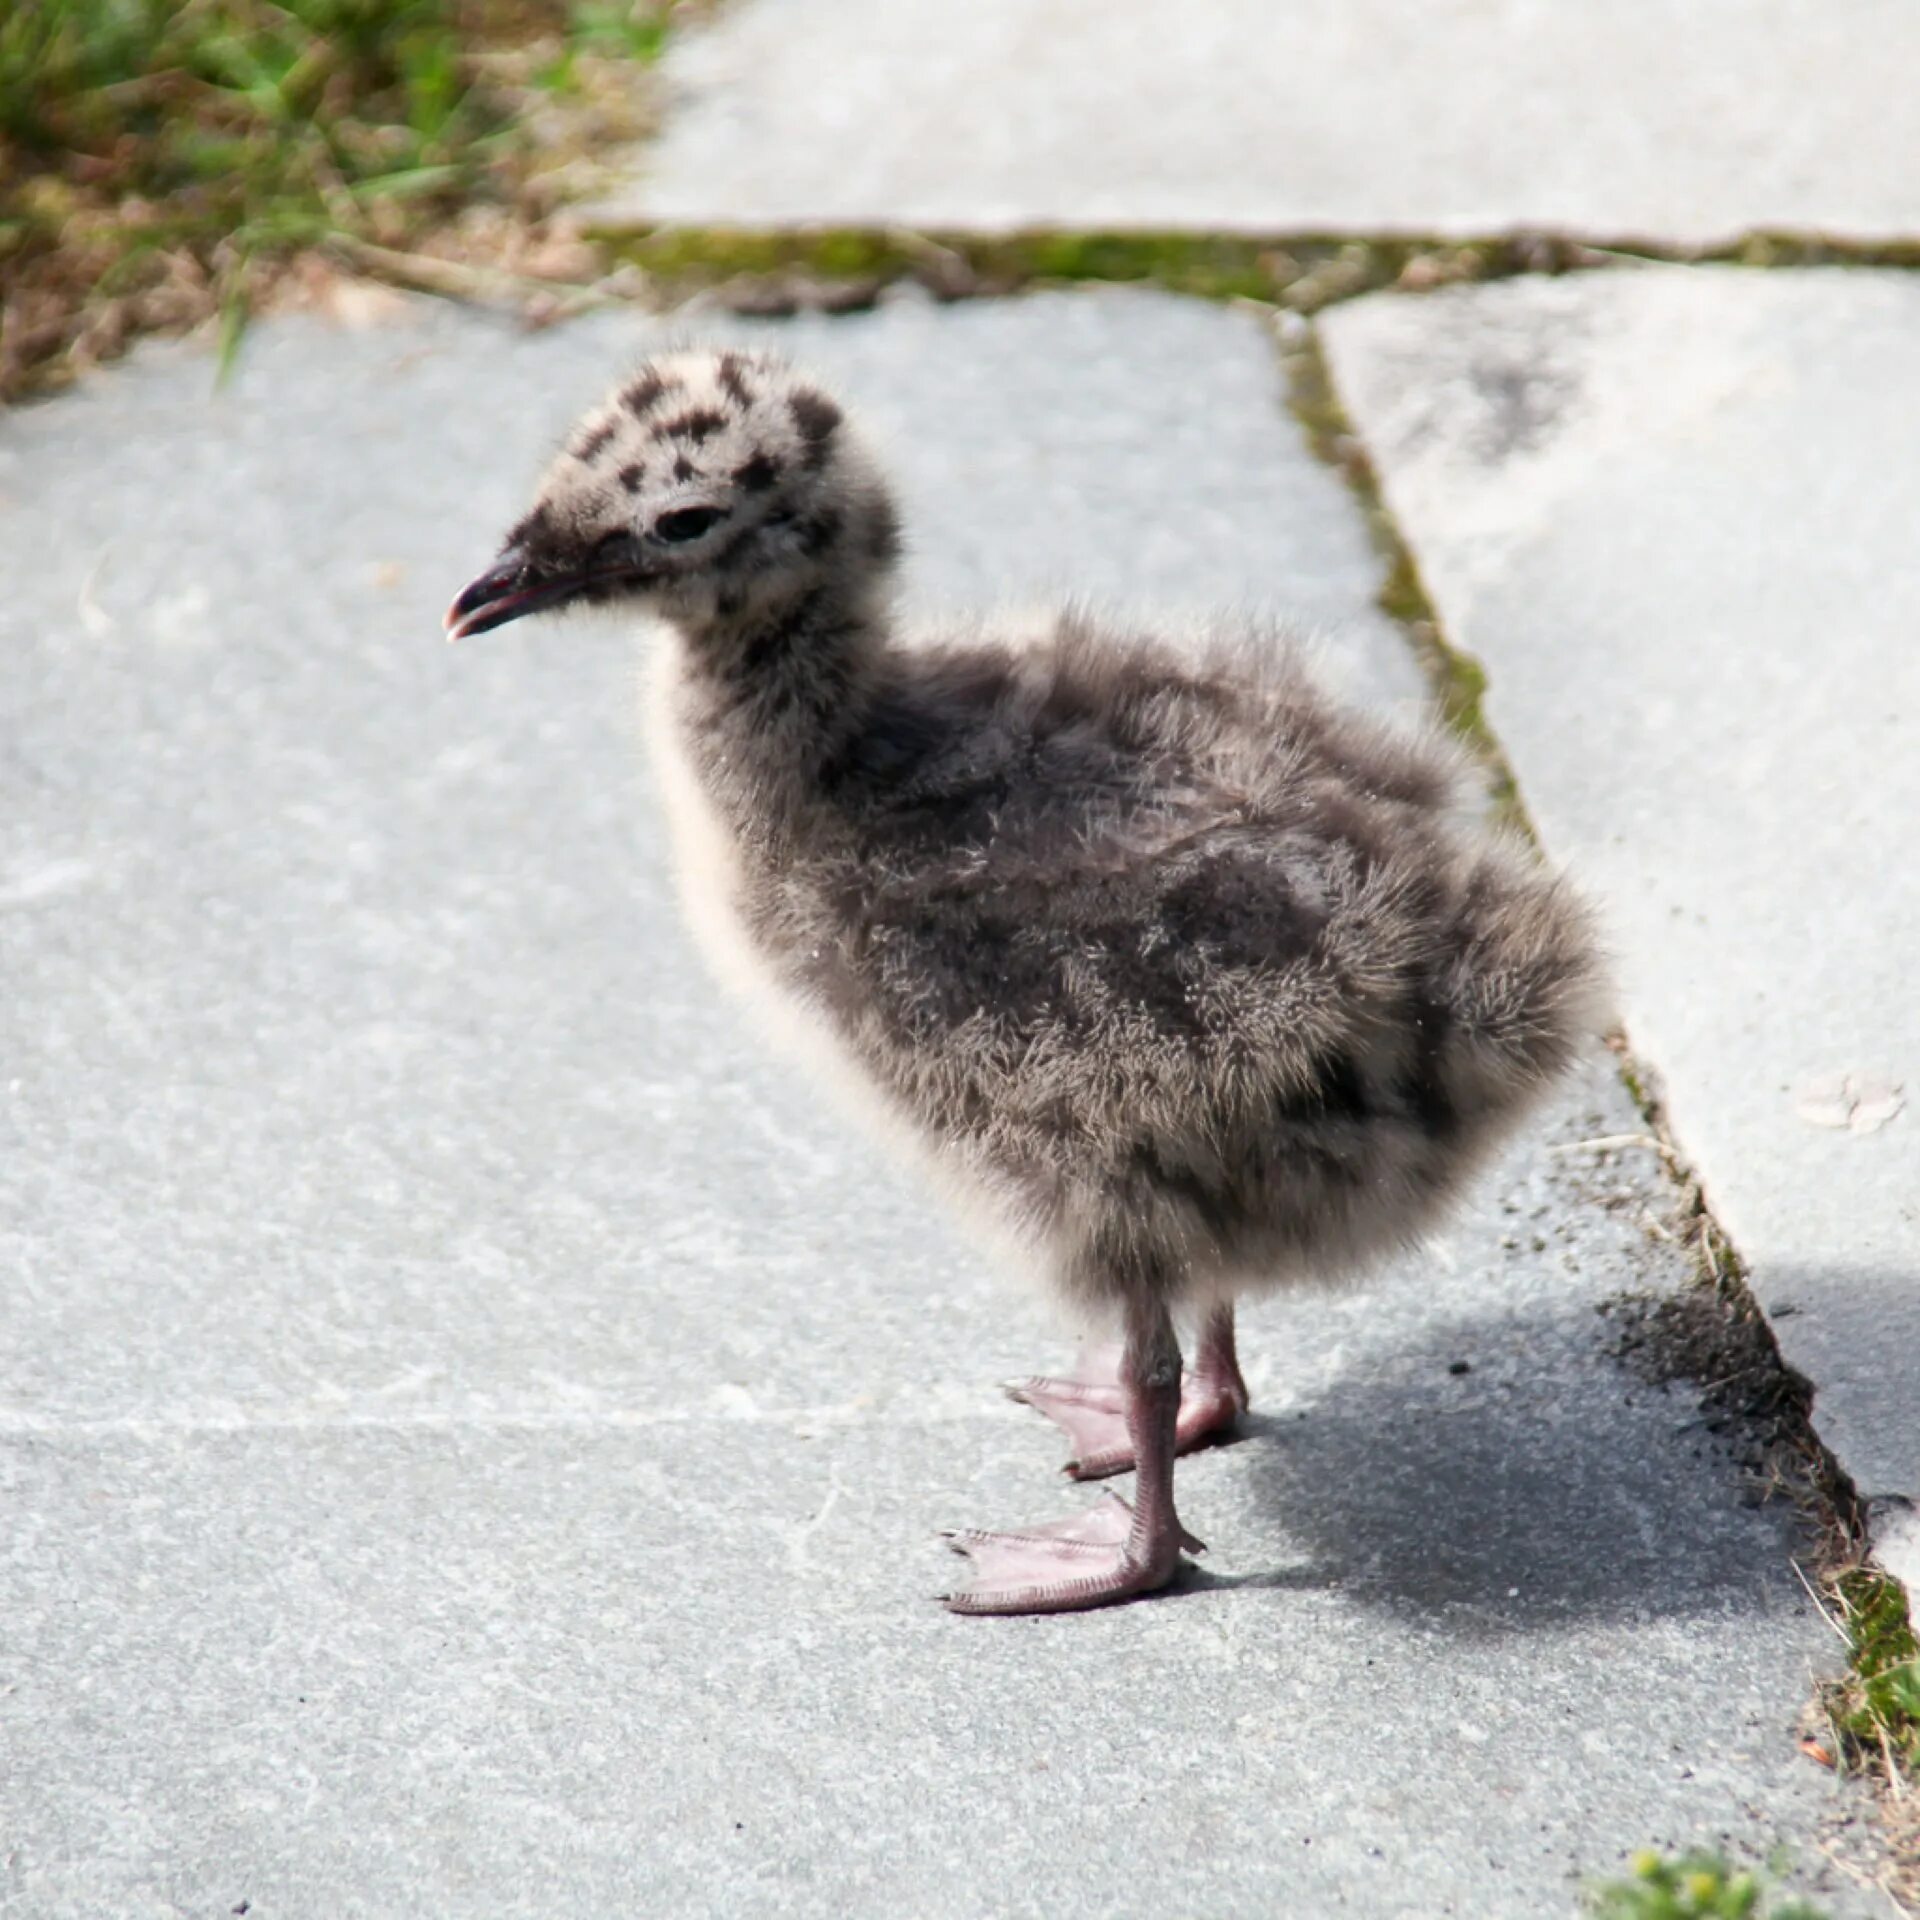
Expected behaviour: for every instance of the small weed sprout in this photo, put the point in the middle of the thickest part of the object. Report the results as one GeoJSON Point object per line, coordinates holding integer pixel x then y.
{"type": "Point", "coordinates": [1694, 1886]}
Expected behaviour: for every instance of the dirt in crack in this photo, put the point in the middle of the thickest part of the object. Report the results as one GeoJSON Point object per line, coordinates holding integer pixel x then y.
{"type": "Point", "coordinates": [1749, 1397]}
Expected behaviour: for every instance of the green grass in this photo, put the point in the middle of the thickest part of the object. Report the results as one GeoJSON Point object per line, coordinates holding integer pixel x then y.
{"type": "Point", "coordinates": [192, 141]}
{"type": "Point", "coordinates": [608, 29]}
{"type": "Point", "coordinates": [250, 121]}
{"type": "Point", "coordinates": [1694, 1886]}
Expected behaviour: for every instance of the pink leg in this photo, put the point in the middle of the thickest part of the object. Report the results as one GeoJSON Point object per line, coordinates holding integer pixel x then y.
{"type": "Point", "coordinates": [1092, 1413]}
{"type": "Point", "coordinates": [1113, 1551]}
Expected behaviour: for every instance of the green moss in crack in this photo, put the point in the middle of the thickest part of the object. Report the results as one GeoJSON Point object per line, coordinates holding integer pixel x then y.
{"type": "Point", "coordinates": [1458, 680]}
{"type": "Point", "coordinates": [1303, 272]}
{"type": "Point", "coordinates": [1213, 267]}
{"type": "Point", "coordinates": [1765, 249]}
{"type": "Point", "coordinates": [1637, 1088]}
{"type": "Point", "coordinates": [1876, 1709]}
{"type": "Point", "coordinates": [703, 256]}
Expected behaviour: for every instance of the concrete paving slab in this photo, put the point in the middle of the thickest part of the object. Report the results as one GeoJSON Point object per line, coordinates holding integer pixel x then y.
{"type": "Point", "coordinates": [1657, 119]}
{"type": "Point", "coordinates": [472, 1427]}
{"type": "Point", "coordinates": [1672, 511]}
{"type": "Point", "coordinates": [320, 933]}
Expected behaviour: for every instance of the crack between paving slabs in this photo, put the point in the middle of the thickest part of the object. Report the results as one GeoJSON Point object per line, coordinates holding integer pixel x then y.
{"type": "Point", "coordinates": [778, 270]}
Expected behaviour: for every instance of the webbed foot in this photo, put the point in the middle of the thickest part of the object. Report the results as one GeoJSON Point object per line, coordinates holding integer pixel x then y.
{"type": "Point", "coordinates": [1093, 1416]}
{"type": "Point", "coordinates": [1059, 1566]}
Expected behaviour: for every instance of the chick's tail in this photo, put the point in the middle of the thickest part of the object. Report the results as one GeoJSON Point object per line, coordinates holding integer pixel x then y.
{"type": "Point", "coordinates": [1522, 986]}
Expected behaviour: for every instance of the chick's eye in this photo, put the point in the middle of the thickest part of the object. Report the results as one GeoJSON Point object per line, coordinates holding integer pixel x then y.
{"type": "Point", "coordinates": [688, 523]}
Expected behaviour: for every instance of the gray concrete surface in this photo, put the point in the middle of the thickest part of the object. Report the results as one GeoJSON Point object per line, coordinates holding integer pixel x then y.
{"type": "Point", "coordinates": [1668, 119]}
{"type": "Point", "coordinates": [1673, 513]}
{"type": "Point", "coordinates": [473, 1430]}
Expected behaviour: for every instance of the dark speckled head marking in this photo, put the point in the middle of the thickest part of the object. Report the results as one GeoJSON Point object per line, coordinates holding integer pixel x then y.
{"type": "Point", "coordinates": [714, 488]}
{"type": "Point", "coordinates": [695, 428]}
{"type": "Point", "coordinates": [757, 473]}
{"type": "Point", "coordinates": [639, 398]}
{"type": "Point", "coordinates": [733, 379]}
{"type": "Point", "coordinates": [818, 419]}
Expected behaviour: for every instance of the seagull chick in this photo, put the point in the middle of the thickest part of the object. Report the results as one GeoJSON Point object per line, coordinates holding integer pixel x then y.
{"type": "Point", "coordinates": [1187, 981]}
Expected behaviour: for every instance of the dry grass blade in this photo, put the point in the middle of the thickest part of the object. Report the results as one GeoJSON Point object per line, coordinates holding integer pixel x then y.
{"type": "Point", "coordinates": [1820, 1606]}
{"type": "Point", "coordinates": [464, 280]}
{"type": "Point", "coordinates": [1608, 1142]}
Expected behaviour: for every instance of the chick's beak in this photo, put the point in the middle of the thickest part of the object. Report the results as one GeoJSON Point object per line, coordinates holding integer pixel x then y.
{"type": "Point", "coordinates": [521, 582]}
{"type": "Point", "coordinates": [513, 585]}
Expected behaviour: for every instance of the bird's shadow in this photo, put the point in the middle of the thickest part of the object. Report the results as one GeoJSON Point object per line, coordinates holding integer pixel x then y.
{"type": "Point", "coordinates": [1544, 1484]}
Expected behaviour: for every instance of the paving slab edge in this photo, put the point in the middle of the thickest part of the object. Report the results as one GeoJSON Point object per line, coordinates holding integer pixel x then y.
{"type": "Point", "coordinates": [783, 267]}
{"type": "Point", "coordinates": [1302, 269]}
{"type": "Point", "coordinates": [1762, 244]}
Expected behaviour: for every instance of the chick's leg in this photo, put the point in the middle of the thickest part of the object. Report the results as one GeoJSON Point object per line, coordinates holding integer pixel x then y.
{"type": "Point", "coordinates": [1113, 1551]}
{"type": "Point", "coordinates": [1092, 1411]}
